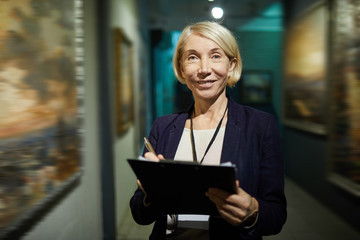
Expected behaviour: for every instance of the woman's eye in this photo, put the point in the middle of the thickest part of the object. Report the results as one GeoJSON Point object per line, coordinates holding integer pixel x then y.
{"type": "Point", "coordinates": [216, 56]}
{"type": "Point", "coordinates": [191, 57]}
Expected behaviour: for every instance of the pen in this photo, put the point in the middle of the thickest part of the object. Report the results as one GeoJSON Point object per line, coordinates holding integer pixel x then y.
{"type": "Point", "coordinates": [148, 146]}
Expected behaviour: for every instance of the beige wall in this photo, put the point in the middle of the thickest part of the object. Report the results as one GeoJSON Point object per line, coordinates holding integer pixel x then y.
{"type": "Point", "coordinates": [78, 215]}
{"type": "Point", "coordinates": [125, 15]}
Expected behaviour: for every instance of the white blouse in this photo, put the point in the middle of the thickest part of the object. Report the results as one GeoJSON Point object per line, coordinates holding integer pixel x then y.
{"type": "Point", "coordinates": [202, 140]}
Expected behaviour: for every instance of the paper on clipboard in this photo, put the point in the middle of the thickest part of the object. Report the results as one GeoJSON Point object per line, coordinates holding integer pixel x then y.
{"type": "Point", "coordinates": [193, 221]}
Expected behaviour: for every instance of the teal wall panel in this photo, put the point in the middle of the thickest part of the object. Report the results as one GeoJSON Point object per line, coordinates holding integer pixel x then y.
{"type": "Point", "coordinates": [262, 51]}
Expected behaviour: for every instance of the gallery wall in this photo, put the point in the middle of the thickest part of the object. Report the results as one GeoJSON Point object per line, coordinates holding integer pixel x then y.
{"type": "Point", "coordinates": [308, 154]}
{"type": "Point", "coordinates": [129, 16]}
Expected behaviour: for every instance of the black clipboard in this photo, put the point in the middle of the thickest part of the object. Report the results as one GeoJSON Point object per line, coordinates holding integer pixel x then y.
{"type": "Point", "coordinates": [179, 187]}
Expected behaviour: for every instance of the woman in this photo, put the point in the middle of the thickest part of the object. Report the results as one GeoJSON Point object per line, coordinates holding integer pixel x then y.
{"type": "Point", "coordinates": [214, 130]}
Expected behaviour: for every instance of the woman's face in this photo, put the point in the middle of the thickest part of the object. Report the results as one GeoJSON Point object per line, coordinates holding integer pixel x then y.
{"type": "Point", "coordinates": [205, 67]}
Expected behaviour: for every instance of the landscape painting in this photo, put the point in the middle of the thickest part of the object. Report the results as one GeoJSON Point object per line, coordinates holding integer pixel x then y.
{"type": "Point", "coordinates": [40, 146]}
{"type": "Point", "coordinates": [256, 87]}
{"type": "Point", "coordinates": [305, 71]}
{"type": "Point", "coordinates": [123, 82]}
{"type": "Point", "coordinates": [345, 95]}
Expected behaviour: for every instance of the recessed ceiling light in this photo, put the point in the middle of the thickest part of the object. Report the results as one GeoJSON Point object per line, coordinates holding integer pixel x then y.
{"type": "Point", "coordinates": [217, 12]}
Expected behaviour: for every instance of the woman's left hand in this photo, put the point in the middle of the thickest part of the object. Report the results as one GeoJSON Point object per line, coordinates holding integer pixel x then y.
{"type": "Point", "coordinates": [234, 208]}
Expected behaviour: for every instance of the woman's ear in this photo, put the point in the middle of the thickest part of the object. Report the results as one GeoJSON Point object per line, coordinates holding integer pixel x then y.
{"type": "Point", "coordinates": [232, 65]}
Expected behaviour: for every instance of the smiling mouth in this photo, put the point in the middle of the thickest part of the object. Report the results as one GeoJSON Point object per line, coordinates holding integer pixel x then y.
{"type": "Point", "coordinates": [202, 83]}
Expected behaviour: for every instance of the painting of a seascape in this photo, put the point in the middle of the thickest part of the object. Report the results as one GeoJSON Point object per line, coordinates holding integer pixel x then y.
{"type": "Point", "coordinates": [40, 95]}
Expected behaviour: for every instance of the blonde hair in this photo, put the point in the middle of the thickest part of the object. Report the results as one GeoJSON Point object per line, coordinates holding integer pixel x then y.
{"type": "Point", "coordinates": [217, 33]}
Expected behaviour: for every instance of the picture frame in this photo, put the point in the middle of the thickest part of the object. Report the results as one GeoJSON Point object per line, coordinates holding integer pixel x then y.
{"type": "Point", "coordinates": [344, 130]}
{"type": "Point", "coordinates": [41, 117]}
{"type": "Point", "coordinates": [123, 82]}
{"type": "Point", "coordinates": [256, 87]}
{"type": "Point", "coordinates": [305, 71]}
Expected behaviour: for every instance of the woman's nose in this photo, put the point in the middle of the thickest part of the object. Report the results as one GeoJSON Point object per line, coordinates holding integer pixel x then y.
{"type": "Point", "coordinates": [204, 67]}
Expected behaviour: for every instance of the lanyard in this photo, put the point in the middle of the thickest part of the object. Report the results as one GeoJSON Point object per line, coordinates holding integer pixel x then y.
{"type": "Point", "coordinates": [211, 141]}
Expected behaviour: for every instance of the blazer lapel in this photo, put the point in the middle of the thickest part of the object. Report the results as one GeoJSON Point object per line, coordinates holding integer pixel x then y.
{"type": "Point", "coordinates": [235, 146]}
{"type": "Point", "coordinates": [176, 133]}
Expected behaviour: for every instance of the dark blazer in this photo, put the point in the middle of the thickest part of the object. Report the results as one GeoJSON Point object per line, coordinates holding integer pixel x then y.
{"type": "Point", "coordinates": [251, 142]}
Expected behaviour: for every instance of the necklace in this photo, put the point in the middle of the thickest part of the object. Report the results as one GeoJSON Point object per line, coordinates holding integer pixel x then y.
{"type": "Point", "coordinates": [212, 139]}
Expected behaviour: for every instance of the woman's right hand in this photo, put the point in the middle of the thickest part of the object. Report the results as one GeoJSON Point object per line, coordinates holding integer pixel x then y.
{"type": "Point", "coordinates": [152, 156]}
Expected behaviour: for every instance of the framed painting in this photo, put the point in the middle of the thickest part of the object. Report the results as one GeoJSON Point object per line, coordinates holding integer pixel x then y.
{"type": "Point", "coordinates": [255, 87]}
{"type": "Point", "coordinates": [41, 93]}
{"type": "Point", "coordinates": [344, 169]}
{"type": "Point", "coordinates": [305, 71]}
{"type": "Point", "coordinates": [124, 82]}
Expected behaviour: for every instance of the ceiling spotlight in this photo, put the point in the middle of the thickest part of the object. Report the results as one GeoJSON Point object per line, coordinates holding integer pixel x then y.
{"type": "Point", "coordinates": [217, 12]}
